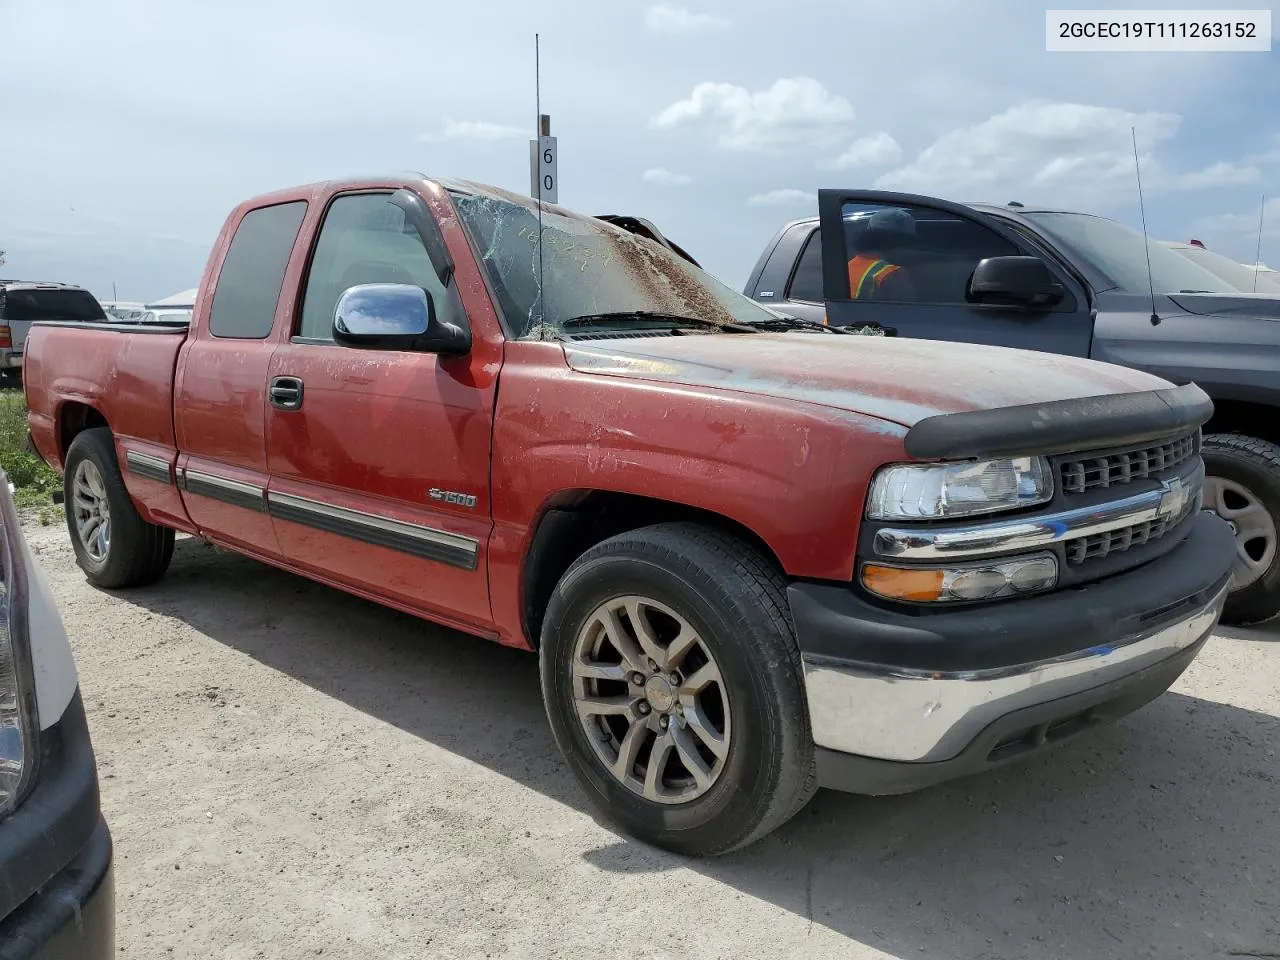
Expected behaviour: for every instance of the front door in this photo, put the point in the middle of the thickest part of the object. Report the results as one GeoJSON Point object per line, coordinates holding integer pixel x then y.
{"type": "Point", "coordinates": [905, 261]}
{"type": "Point", "coordinates": [379, 459]}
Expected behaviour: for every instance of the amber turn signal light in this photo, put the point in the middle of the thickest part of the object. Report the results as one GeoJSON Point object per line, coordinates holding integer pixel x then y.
{"type": "Point", "coordinates": [997, 579]}
{"type": "Point", "coordinates": [903, 583]}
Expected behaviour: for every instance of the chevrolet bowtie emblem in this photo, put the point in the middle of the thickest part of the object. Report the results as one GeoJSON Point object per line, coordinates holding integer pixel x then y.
{"type": "Point", "coordinates": [1174, 499]}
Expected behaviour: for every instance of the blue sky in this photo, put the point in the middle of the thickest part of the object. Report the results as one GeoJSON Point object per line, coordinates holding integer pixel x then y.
{"type": "Point", "coordinates": [131, 128]}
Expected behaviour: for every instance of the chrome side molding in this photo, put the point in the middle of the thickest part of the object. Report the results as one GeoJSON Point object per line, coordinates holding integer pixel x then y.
{"type": "Point", "coordinates": [145, 465]}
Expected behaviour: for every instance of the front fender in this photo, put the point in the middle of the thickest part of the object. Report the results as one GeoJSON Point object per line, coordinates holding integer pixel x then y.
{"type": "Point", "coordinates": [793, 473]}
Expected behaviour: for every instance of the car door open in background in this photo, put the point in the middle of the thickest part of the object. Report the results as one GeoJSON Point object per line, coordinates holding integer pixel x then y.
{"type": "Point", "coordinates": [930, 269]}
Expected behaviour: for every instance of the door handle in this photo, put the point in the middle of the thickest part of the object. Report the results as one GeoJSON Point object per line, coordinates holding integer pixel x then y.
{"type": "Point", "coordinates": [286, 393]}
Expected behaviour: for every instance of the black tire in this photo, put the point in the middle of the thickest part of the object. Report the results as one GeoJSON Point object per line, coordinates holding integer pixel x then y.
{"type": "Point", "coordinates": [1255, 465]}
{"type": "Point", "coordinates": [139, 552]}
{"type": "Point", "coordinates": [736, 599]}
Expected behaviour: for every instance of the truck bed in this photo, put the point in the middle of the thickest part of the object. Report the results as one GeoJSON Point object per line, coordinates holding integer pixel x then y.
{"type": "Point", "coordinates": [124, 371]}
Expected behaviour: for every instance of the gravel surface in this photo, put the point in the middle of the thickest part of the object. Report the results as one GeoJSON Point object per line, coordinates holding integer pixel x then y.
{"type": "Point", "coordinates": [292, 772]}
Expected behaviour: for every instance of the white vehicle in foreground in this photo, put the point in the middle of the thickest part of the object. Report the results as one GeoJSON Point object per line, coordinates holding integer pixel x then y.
{"type": "Point", "coordinates": [57, 894]}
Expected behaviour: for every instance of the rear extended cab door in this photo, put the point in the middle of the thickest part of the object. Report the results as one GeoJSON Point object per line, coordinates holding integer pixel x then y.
{"type": "Point", "coordinates": [950, 240]}
{"type": "Point", "coordinates": [220, 389]}
{"type": "Point", "coordinates": [379, 458]}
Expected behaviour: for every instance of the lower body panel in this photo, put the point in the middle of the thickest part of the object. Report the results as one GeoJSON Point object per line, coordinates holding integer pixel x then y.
{"type": "Point", "coordinates": [73, 916]}
{"type": "Point", "coordinates": [921, 698]}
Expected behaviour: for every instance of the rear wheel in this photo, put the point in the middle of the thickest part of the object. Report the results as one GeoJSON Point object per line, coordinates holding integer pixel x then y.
{"type": "Point", "coordinates": [114, 545]}
{"type": "Point", "coordinates": [674, 688]}
{"type": "Point", "coordinates": [1242, 486]}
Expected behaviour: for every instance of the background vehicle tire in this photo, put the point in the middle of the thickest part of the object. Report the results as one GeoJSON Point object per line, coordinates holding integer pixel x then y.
{"type": "Point", "coordinates": [114, 546]}
{"type": "Point", "coordinates": [1242, 486]}
{"type": "Point", "coordinates": [712, 748]}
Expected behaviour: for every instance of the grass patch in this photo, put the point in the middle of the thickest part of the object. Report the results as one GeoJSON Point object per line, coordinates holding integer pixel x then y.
{"type": "Point", "coordinates": [32, 480]}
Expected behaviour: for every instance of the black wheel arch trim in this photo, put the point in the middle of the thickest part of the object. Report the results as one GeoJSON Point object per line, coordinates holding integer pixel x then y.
{"type": "Point", "coordinates": [1060, 426]}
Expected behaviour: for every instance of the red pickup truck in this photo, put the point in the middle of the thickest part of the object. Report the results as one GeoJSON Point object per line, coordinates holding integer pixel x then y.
{"type": "Point", "coordinates": [755, 555]}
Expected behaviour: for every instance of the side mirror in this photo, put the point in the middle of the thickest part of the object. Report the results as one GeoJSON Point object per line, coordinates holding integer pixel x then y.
{"type": "Point", "coordinates": [395, 316]}
{"type": "Point", "coordinates": [1014, 281]}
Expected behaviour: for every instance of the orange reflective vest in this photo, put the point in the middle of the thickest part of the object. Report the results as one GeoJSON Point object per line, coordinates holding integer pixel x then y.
{"type": "Point", "coordinates": [867, 273]}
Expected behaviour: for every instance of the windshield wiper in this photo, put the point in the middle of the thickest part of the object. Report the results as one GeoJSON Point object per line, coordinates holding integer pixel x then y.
{"type": "Point", "coordinates": [661, 319]}
{"type": "Point", "coordinates": [788, 322]}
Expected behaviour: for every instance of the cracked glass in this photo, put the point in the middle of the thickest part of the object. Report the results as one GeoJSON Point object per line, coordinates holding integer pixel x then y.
{"type": "Point", "coordinates": [588, 267]}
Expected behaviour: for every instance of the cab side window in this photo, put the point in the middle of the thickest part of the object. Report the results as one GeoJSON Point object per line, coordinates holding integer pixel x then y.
{"type": "Point", "coordinates": [936, 250]}
{"type": "Point", "coordinates": [806, 281]}
{"type": "Point", "coordinates": [364, 239]}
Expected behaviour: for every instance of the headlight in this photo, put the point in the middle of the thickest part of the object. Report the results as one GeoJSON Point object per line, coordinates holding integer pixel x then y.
{"type": "Point", "coordinates": [958, 582]}
{"type": "Point", "coordinates": [16, 747]}
{"type": "Point", "coordinates": [928, 491]}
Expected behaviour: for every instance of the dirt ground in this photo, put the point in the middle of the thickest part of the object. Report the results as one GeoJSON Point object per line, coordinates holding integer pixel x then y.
{"type": "Point", "coordinates": [291, 772]}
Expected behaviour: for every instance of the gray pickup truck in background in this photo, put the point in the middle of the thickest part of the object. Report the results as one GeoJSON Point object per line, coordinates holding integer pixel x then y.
{"type": "Point", "coordinates": [1070, 283]}
{"type": "Point", "coordinates": [23, 303]}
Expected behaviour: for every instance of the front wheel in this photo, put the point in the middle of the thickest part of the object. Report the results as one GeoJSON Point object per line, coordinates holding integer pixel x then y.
{"type": "Point", "coordinates": [1242, 486]}
{"type": "Point", "coordinates": [673, 684]}
{"type": "Point", "coordinates": [114, 545]}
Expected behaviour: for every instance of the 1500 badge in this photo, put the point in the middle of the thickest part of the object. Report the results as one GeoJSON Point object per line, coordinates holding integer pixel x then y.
{"type": "Point", "coordinates": [467, 500]}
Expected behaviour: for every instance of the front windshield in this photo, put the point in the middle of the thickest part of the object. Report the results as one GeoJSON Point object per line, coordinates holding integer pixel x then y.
{"type": "Point", "coordinates": [588, 267]}
{"type": "Point", "coordinates": [1244, 279]}
{"type": "Point", "coordinates": [1117, 251]}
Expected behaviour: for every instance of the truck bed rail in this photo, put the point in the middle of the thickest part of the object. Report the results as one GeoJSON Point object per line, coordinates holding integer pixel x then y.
{"type": "Point", "coordinates": [158, 326]}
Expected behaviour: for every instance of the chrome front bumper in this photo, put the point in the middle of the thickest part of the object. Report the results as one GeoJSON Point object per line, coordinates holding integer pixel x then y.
{"type": "Point", "coordinates": [923, 716]}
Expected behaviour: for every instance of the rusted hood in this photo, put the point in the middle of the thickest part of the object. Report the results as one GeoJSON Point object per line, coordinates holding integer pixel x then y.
{"type": "Point", "coordinates": [895, 379]}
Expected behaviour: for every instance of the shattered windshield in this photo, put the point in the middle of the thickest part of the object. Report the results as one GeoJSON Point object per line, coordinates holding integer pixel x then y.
{"type": "Point", "coordinates": [588, 268]}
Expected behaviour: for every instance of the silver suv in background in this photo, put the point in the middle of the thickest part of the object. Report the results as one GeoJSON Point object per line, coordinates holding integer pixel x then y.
{"type": "Point", "coordinates": [22, 303]}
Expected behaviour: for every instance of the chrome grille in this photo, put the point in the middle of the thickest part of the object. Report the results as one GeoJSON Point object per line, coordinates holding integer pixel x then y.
{"type": "Point", "coordinates": [1103, 544]}
{"type": "Point", "coordinates": [1098, 545]}
{"type": "Point", "coordinates": [1105, 468]}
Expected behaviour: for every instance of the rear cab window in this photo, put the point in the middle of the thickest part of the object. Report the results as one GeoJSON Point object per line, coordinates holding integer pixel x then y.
{"type": "Point", "coordinates": [252, 275]}
{"type": "Point", "coordinates": [32, 305]}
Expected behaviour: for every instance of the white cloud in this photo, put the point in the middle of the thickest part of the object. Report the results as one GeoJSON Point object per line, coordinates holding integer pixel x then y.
{"type": "Point", "coordinates": [1047, 148]}
{"type": "Point", "coordinates": [793, 112]}
{"type": "Point", "coordinates": [476, 130]}
{"type": "Point", "coordinates": [1243, 224]}
{"type": "Point", "coordinates": [1220, 174]}
{"type": "Point", "coordinates": [665, 18]}
{"type": "Point", "coordinates": [664, 177]}
{"type": "Point", "coordinates": [1058, 153]}
{"type": "Point", "coordinates": [1267, 156]}
{"type": "Point", "coordinates": [788, 197]}
{"type": "Point", "coordinates": [874, 150]}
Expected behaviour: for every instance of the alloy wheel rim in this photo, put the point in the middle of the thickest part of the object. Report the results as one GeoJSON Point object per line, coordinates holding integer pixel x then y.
{"type": "Point", "coordinates": [92, 510]}
{"type": "Point", "coordinates": [1252, 524]}
{"type": "Point", "coordinates": [651, 699]}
